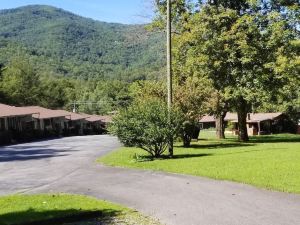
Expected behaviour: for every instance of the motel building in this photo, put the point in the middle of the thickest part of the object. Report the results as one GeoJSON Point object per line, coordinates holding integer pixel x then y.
{"type": "Point", "coordinates": [49, 122]}
{"type": "Point", "coordinates": [16, 123]}
{"type": "Point", "coordinates": [21, 124]}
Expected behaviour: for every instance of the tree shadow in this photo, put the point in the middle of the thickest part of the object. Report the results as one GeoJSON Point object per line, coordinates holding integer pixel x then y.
{"type": "Point", "coordinates": [185, 156]}
{"type": "Point", "coordinates": [24, 153]}
{"type": "Point", "coordinates": [258, 139]}
{"type": "Point", "coordinates": [147, 158]}
{"type": "Point", "coordinates": [274, 139]}
{"type": "Point", "coordinates": [58, 217]}
{"type": "Point", "coordinates": [220, 145]}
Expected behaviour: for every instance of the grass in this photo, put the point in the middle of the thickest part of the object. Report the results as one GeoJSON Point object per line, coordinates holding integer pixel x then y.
{"type": "Point", "coordinates": [270, 162]}
{"type": "Point", "coordinates": [57, 209]}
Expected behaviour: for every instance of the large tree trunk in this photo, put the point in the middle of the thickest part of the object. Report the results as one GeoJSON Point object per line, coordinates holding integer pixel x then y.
{"type": "Point", "coordinates": [220, 125]}
{"type": "Point", "coordinates": [242, 120]}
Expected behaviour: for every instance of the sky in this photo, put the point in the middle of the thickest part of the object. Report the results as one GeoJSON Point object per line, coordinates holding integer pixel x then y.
{"type": "Point", "coordinates": [118, 11]}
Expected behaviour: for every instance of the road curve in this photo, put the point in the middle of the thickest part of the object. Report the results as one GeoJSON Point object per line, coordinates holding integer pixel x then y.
{"type": "Point", "coordinates": [68, 165]}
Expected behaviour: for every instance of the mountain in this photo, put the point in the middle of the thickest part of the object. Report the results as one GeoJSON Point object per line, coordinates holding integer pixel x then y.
{"type": "Point", "coordinates": [74, 46]}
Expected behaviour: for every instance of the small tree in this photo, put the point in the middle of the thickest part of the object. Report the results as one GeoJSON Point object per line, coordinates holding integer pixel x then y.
{"type": "Point", "coordinates": [190, 97]}
{"type": "Point", "coordinates": [145, 125]}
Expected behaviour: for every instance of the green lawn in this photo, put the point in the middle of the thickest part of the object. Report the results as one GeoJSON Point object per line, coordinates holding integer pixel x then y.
{"type": "Point", "coordinates": [271, 162]}
{"type": "Point", "coordinates": [63, 209]}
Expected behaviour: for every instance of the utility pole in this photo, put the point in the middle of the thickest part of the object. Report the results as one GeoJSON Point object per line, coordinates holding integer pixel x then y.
{"type": "Point", "coordinates": [74, 107]}
{"type": "Point", "coordinates": [169, 69]}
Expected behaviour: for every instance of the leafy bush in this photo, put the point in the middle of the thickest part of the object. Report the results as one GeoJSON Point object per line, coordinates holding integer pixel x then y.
{"type": "Point", "coordinates": [145, 124]}
{"type": "Point", "coordinates": [190, 130]}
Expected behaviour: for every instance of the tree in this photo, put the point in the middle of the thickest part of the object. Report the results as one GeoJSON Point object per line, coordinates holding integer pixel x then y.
{"type": "Point", "coordinates": [190, 99]}
{"type": "Point", "coordinates": [2, 97]}
{"type": "Point", "coordinates": [288, 100]}
{"type": "Point", "coordinates": [148, 89]}
{"type": "Point", "coordinates": [20, 82]}
{"type": "Point", "coordinates": [108, 96]}
{"type": "Point", "coordinates": [236, 45]}
{"type": "Point", "coordinates": [218, 106]}
{"type": "Point", "coordinates": [53, 93]}
{"type": "Point", "coordinates": [145, 125]}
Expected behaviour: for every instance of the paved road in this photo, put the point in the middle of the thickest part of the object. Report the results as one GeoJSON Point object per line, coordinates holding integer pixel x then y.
{"type": "Point", "coordinates": [68, 165]}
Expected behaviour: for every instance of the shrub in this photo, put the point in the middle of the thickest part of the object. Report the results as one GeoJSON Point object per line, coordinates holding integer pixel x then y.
{"type": "Point", "coordinates": [190, 130]}
{"type": "Point", "coordinates": [145, 124]}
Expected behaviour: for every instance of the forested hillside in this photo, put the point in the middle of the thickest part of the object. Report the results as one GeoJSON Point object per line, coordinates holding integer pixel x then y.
{"type": "Point", "coordinates": [66, 44]}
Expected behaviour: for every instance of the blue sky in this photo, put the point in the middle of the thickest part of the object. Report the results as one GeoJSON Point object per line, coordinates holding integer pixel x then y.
{"type": "Point", "coordinates": [120, 11]}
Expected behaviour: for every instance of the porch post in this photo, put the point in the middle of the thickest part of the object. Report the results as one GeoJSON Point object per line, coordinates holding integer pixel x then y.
{"type": "Point", "coordinates": [6, 123]}
{"type": "Point", "coordinates": [259, 128]}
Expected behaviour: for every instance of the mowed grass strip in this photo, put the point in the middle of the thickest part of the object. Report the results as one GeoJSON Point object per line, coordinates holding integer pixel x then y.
{"type": "Point", "coordinates": [271, 162]}
{"type": "Point", "coordinates": [64, 208]}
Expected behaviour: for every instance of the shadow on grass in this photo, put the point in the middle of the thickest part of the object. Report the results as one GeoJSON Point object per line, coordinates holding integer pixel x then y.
{"type": "Point", "coordinates": [57, 217]}
{"type": "Point", "coordinates": [146, 158]}
{"type": "Point", "coordinates": [229, 143]}
{"type": "Point", "coordinates": [220, 145]}
{"type": "Point", "coordinates": [274, 139]}
{"type": "Point", "coordinates": [253, 140]}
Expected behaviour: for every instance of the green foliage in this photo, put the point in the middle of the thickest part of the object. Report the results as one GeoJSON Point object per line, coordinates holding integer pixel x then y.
{"type": "Point", "coordinates": [242, 47]}
{"type": "Point", "coordinates": [78, 47]}
{"type": "Point", "coordinates": [53, 58]}
{"type": "Point", "coordinates": [230, 126]}
{"type": "Point", "coordinates": [287, 66]}
{"type": "Point", "coordinates": [2, 97]}
{"type": "Point", "coordinates": [55, 92]}
{"type": "Point", "coordinates": [110, 96]}
{"type": "Point", "coordinates": [142, 90]}
{"type": "Point", "coordinates": [145, 124]}
{"type": "Point", "coordinates": [189, 99]}
{"type": "Point", "coordinates": [20, 82]}
{"type": "Point", "coordinates": [187, 132]}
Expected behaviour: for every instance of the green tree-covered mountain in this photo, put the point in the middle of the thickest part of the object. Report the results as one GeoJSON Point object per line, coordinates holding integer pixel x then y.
{"type": "Point", "coordinates": [70, 45]}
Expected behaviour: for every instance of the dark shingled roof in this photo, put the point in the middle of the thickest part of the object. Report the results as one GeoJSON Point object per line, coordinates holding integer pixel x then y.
{"type": "Point", "coordinates": [47, 113]}
{"type": "Point", "coordinates": [12, 111]}
{"type": "Point", "coordinates": [259, 117]}
{"type": "Point", "coordinates": [92, 118]}
{"type": "Point", "coordinates": [96, 118]}
{"type": "Point", "coordinates": [72, 116]}
{"type": "Point", "coordinates": [212, 119]}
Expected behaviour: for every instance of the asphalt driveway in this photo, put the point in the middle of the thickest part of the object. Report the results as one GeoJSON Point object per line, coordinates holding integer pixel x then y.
{"type": "Point", "coordinates": [68, 165]}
